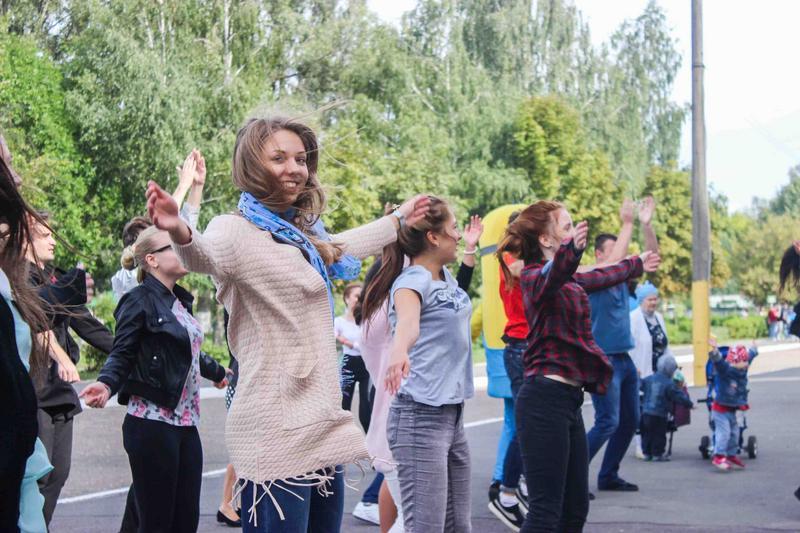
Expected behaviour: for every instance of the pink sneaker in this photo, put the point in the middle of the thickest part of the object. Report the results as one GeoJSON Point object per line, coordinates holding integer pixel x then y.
{"type": "Point", "coordinates": [734, 461]}
{"type": "Point", "coordinates": [720, 462]}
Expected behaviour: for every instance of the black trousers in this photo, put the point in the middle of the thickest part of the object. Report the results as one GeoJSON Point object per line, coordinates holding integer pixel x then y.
{"type": "Point", "coordinates": [654, 435]}
{"type": "Point", "coordinates": [167, 469]}
{"type": "Point", "coordinates": [355, 372]}
{"type": "Point", "coordinates": [55, 431]}
{"type": "Point", "coordinates": [555, 455]}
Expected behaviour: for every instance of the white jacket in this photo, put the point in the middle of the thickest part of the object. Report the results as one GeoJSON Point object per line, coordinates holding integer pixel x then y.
{"type": "Point", "coordinates": [642, 353]}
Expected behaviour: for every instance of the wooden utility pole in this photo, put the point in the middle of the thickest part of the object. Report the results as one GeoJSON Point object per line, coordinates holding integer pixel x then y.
{"type": "Point", "coordinates": [701, 227]}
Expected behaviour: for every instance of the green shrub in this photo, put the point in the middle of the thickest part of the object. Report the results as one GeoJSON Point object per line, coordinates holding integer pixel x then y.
{"type": "Point", "coordinates": [679, 330]}
{"type": "Point", "coordinates": [218, 351]}
{"type": "Point", "coordinates": [102, 306]}
{"type": "Point", "coordinates": [751, 327]}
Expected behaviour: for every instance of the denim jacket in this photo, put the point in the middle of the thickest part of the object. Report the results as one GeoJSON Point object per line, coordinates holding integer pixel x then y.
{"type": "Point", "coordinates": [730, 384]}
{"type": "Point", "coordinates": [660, 393]}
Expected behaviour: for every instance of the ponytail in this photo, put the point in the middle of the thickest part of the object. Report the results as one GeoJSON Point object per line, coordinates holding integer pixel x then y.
{"type": "Point", "coordinates": [411, 242]}
{"type": "Point", "coordinates": [521, 239]}
{"type": "Point", "coordinates": [377, 290]}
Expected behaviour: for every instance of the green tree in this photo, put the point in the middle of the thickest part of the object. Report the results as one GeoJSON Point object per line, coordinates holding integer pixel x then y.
{"type": "Point", "coordinates": [549, 143]}
{"type": "Point", "coordinates": [787, 201]}
{"type": "Point", "coordinates": [673, 224]}
{"type": "Point", "coordinates": [757, 255]}
{"type": "Point", "coordinates": [38, 129]}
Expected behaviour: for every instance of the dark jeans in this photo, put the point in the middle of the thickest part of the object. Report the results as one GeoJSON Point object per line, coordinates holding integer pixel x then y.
{"type": "Point", "coordinates": [56, 435]}
{"type": "Point", "coordinates": [374, 489]}
{"type": "Point", "coordinates": [553, 443]}
{"type": "Point", "coordinates": [167, 468]}
{"type": "Point", "coordinates": [616, 417]}
{"type": "Point", "coordinates": [354, 371]}
{"type": "Point", "coordinates": [654, 435]}
{"type": "Point", "coordinates": [512, 357]}
{"type": "Point", "coordinates": [314, 513]}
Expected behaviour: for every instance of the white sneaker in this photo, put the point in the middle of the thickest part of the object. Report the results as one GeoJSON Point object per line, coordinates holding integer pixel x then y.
{"type": "Point", "coordinates": [639, 453]}
{"type": "Point", "coordinates": [368, 512]}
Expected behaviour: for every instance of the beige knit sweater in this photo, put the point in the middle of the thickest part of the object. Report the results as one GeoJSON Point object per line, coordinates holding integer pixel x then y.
{"type": "Point", "coordinates": [286, 418]}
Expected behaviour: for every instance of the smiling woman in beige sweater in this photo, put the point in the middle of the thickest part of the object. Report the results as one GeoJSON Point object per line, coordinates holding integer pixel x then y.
{"type": "Point", "coordinates": [286, 432]}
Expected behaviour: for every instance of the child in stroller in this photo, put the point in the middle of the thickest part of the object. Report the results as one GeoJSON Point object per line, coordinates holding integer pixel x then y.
{"type": "Point", "coordinates": [726, 373]}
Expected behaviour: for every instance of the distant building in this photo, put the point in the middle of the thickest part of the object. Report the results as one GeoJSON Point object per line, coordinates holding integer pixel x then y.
{"type": "Point", "coordinates": [726, 304]}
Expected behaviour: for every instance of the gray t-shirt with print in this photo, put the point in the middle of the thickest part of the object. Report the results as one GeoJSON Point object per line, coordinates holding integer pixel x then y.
{"type": "Point", "coordinates": [441, 359]}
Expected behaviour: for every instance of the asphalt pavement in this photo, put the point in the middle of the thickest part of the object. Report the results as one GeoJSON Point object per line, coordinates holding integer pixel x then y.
{"type": "Point", "coordinates": [685, 494]}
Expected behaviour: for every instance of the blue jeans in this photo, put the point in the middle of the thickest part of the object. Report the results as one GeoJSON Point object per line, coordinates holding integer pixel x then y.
{"type": "Point", "coordinates": [314, 513]}
{"type": "Point", "coordinates": [371, 494]}
{"type": "Point", "coordinates": [512, 357]}
{"type": "Point", "coordinates": [726, 433]}
{"type": "Point", "coordinates": [616, 417]}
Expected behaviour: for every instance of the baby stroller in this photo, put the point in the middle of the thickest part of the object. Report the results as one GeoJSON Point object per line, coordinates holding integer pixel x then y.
{"type": "Point", "coordinates": [706, 442]}
{"type": "Point", "coordinates": [678, 416]}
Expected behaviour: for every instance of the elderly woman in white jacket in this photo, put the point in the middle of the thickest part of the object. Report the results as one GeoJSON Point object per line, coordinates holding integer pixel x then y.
{"type": "Point", "coordinates": [649, 336]}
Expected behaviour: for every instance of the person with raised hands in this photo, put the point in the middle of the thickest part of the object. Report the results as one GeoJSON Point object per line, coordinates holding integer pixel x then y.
{"type": "Point", "coordinates": [429, 371]}
{"type": "Point", "coordinates": [273, 264]}
{"type": "Point", "coordinates": [617, 412]}
{"type": "Point", "coordinates": [562, 359]}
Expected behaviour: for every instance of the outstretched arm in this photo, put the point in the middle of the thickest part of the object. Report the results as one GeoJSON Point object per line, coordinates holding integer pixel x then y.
{"type": "Point", "coordinates": [609, 276]}
{"type": "Point", "coordinates": [558, 270]}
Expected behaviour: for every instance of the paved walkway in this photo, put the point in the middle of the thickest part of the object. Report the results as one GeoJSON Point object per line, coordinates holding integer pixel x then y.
{"type": "Point", "coordinates": [684, 495]}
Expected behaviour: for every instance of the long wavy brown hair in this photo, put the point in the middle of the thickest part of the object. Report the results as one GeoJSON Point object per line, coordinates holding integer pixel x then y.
{"type": "Point", "coordinates": [522, 235]}
{"type": "Point", "coordinates": [250, 173]}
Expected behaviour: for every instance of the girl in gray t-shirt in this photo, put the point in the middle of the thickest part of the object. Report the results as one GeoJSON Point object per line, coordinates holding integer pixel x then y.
{"type": "Point", "coordinates": [430, 369]}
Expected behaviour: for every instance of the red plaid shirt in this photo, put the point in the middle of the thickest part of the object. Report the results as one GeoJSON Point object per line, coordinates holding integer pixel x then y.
{"type": "Point", "coordinates": [559, 316]}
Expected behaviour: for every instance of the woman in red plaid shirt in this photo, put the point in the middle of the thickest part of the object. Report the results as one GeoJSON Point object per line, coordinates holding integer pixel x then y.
{"type": "Point", "coordinates": [562, 359]}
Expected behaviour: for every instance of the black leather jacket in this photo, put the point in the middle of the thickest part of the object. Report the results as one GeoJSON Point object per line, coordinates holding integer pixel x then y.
{"type": "Point", "coordinates": [152, 353]}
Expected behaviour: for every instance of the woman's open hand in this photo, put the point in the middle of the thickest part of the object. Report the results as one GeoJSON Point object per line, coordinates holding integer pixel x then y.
{"type": "Point", "coordinates": [96, 394]}
{"type": "Point", "coordinates": [398, 369]}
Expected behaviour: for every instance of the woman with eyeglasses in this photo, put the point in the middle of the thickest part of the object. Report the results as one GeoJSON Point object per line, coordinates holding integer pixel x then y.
{"type": "Point", "coordinates": [155, 366]}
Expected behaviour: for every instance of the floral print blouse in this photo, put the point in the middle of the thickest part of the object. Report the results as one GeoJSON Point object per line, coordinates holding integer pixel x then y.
{"type": "Point", "coordinates": [187, 412]}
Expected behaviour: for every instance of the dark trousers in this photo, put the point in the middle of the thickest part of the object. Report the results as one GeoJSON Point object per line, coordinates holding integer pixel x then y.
{"type": "Point", "coordinates": [554, 454]}
{"type": "Point", "coordinates": [55, 433]}
{"type": "Point", "coordinates": [167, 468]}
{"type": "Point", "coordinates": [130, 518]}
{"type": "Point", "coordinates": [355, 372]}
{"type": "Point", "coordinates": [512, 357]}
{"type": "Point", "coordinates": [654, 435]}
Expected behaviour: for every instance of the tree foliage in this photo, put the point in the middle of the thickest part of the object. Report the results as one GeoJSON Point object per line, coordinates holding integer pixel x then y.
{"type": "Point", "coordinates": [484, 102]}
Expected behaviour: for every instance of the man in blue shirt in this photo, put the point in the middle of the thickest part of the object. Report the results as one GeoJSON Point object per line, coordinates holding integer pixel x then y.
{"type": "Point", "coordinates": [617, 412]}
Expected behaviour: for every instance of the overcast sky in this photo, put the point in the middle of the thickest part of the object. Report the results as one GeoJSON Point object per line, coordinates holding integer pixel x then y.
{"type": "Point", "coordinates": [752, 83]}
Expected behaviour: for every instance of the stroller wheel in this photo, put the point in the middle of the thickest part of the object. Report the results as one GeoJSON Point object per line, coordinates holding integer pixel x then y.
{"type": "Point", "coordinates": [752, 447]}
{"type": "Point", "coordinates": [705, 447]}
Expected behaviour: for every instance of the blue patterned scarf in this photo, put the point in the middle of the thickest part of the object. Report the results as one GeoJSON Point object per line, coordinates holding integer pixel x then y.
{"type": "Point", "coordinates": [347, 268]}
